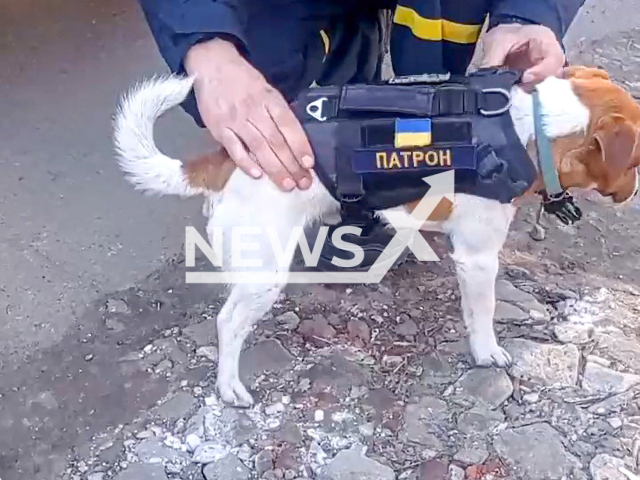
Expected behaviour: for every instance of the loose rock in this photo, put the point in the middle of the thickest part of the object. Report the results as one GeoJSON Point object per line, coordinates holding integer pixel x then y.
{"type": "Point", "coordinates": [318, 327]}
{"type": "Point", "coordinates": [506, 311]}
{"type": "Point", "coordinates": [506, 292]}
{"type": "Point", "coordinates": [620, 347]}
{"type": "Point", "coordinates": [229, 426]}
{"type": "Point", "coordinates": [455, 473]}
{"type": "Point", "coordinates": [436, 371]}
{"type": "Point", "coordinates": [490, 386]}
{"type": "Point", "coordinates": [359, 330]}
{"type": "Point", "coordinates": [353, 465]}
{"type": "Point", "coordinates": [209, 452]}
{"type": "Point", "coordinates": [228, 468]}
{"type": "Point", "coordinates": [408, 328]}
{"type": "Point", "coordinates": [576, 333]}
{"type": "Point", "coordinates": [472, 453]}
{"type": "Point", "coordinates": [424, 420]}
{"type": "Point", "coordinates": [598, 379]}
{"type": "Point", "coordinates": [265, 356]}
{"type": "Point", "coordinates": [536, 451]}
{"type": "Point", "coordinates": [614, 404]}
{"type": "Point", "coordinates": [263, 462]}
{"type": "Point", "coordinates": [605, 467]}
{"type": "Point", "coordinates": [290, 433]}
{"type": "Point", "coordinates": [433, 470]}
{"type": "Point", "coordinates": [209, 352]}
{"type": "Point", "coordinates": [154, 452]}
{"type": "Point", "coordinates": [203, 333]}
{"type": "Point", "coordinates": [479, 420]}
{"type": "Point", "coordinates": [142, 472]}
{"type": "Point", "coordinates": [335, 373]}
{"type": "Point", "coordinates": [176, 407]}
{"type": "Point", "coordinates": [274, 409]}
{"type": "Point", "coordinates": [288, 320]}
{"type": "Point", "coordinates": [164, 366]}
{"type": "Point", "coordinates": [615, 423]}
{"type": "Point", "coordinates": [544, 364]}
{"type": "Point", "coordinates": [116, 305]}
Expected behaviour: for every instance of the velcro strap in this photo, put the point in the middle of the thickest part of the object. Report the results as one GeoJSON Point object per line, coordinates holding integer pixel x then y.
{"type": "Point", "coordinates": [455, 100]}
{"type": "Point", "coordinates": [409, 100]}
{"type": "Point", "coordinates": [448, 131]}
{"type": "Point", "coordinates": [349, 188]}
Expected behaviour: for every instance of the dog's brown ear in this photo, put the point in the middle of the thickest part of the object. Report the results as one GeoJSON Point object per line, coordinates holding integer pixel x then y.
{"type": "Point", "coordinates": [617, 139]}
{"type": "Point", "coordinates": [584, 73]}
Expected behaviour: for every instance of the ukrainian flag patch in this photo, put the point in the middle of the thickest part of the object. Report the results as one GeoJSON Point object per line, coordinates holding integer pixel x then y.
{"type": "Point", "coordinates": [412, 132]}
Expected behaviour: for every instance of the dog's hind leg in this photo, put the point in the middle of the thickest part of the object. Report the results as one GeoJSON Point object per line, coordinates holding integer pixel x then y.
{"type": "Point", "coordinates": [268, 217]}
{"type": "Point", "coordinates": [246, 304]}
{"type": "Point", "coordinates": [478, 229]}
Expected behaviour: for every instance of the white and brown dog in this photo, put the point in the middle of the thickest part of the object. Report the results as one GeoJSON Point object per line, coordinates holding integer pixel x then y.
{"type": "Point", "coordinates": [594, 126]}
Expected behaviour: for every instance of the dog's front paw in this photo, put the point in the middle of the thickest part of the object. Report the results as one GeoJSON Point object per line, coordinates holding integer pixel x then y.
{"type": "Point", "coordinates": [233, 392]}
{"type": "Point", "coordinates": [491, 355]}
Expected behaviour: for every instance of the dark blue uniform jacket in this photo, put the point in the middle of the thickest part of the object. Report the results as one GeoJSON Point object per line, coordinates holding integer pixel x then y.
{"type": "Point", "coordinates": [295, 42]}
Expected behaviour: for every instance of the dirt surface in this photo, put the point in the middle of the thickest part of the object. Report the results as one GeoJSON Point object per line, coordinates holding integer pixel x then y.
{"type": "Point", "coordinates": [352, 382]}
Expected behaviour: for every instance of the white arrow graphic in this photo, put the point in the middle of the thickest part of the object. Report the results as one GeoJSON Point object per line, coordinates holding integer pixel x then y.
{"type": "Point", "coordinates": [407, 228]}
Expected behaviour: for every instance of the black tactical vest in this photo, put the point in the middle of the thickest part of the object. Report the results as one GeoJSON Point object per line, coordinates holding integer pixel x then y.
{"type": "Point", "coordinates": [374, 144]}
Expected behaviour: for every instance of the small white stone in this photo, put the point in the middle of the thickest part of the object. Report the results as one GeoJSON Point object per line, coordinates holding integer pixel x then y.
{"type": "Point", "coordinates": [272, 423]}
{"type": "Point", "coordinates": [340, 417]}
{"type": "Point", "coordinates": [173, 442]}
{"type": "Point", "coordinates": [532, 397]}
{"type": "Point", "coordinates": [209, 401]}
{"type": "Point", "coordinates": [274, 409]}
{"type": "Point", "coordinates": [536, 315]}
{"type": "Point", "coordinates": [244, 453]}
{"type": "Point", "coordinates": [367, 429]}
{"type": "Point", "coordinates": [192, 441]}
{"type": "Point", "coordinates": [615, 422]}
{"type": "Point", "coordinates": [599, 361]}
{"type": "Point", "coordinates": [209, 352]}
{"type": "Point", "coordinates": [318, 416]}
{"type": "Point", "coordinates": [456, 473]}
{"type": "Point", "coordinates": [210, 452]}
{"type": "Point", "coordinates": [286, 400]}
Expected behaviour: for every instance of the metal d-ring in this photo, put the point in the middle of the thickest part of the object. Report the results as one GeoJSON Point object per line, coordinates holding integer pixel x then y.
{"type": "Point", "coordinates": [504, 93]}
{"type": "Point", "coordinates": [315, 109]}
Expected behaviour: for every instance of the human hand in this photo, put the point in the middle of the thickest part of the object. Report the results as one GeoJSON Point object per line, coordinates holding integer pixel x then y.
{"type": "Point", "coordinates": [249, 117]}
{"type": "Point", "coordinates": [534, 49]}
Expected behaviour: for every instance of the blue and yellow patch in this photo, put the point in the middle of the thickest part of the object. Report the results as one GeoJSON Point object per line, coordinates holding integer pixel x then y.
{"type": "Point", "coordinates": [412, 132]}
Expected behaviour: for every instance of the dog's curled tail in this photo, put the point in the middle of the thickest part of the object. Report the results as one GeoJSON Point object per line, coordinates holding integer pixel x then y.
{"type": "Point", "coordinates": [144, 165]}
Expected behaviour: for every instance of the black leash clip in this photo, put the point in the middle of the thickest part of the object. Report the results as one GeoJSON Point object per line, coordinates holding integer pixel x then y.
{"type": "Point", "coordinates": [563, 206]}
